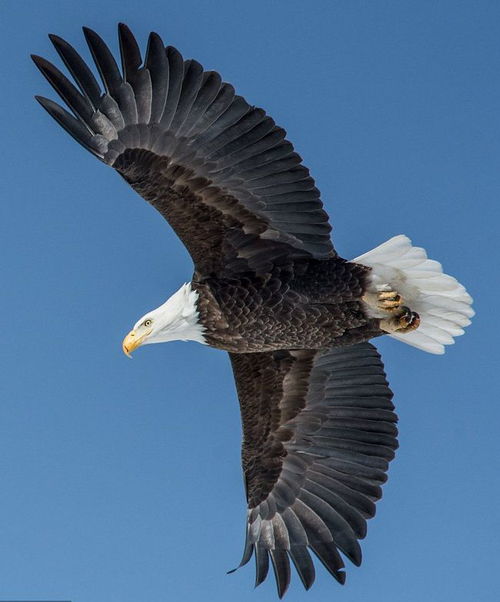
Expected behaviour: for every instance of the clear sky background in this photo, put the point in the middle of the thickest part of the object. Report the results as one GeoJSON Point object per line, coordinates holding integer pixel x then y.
{"type": "Point", "coordinates": [120, 480]}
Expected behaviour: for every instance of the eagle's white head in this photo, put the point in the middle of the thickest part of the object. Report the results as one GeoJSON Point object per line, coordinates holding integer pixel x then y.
{"type": "Point", "coordinates": [176, 320]}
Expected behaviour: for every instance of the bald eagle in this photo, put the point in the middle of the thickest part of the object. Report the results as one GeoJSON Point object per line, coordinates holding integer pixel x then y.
{"type": "Point", "coordinates": [319, 427]}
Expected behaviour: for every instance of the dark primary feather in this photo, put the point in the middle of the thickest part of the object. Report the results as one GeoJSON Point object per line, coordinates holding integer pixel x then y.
{"type": "Point", "coordinates": [104, 60]}
{"type": "Point", "coordinates": [319, 431]}
{"type": "Point", "coordinates": [78, 69]}
{"type": "Point", "coordinates": [156, 63]}
{"type": "Point", "coordinates": [207, 160]}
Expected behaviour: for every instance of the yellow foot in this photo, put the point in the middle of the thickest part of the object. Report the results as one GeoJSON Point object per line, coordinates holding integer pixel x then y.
{"type": "Point", "coordinates": [389, 301]}
{"type": "Point", "coordinates": [404, 321]}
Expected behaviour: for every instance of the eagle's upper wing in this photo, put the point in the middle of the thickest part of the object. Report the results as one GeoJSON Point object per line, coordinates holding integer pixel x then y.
{"type": "Point", "coordinates": [319, 431]}
{"type": "Point", "coordinates": [219, 170]}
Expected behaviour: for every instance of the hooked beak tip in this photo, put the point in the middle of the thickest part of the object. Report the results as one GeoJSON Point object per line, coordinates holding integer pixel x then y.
{"type": "Point", "coordinates": [133, 340]}
{"type": "Point", "coordinates": [130, 342]}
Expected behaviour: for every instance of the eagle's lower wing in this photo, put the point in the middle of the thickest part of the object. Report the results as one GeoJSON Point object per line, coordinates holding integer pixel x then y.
{"type": "Point", "coordinates": [219, 170]}
{"type": "Point", "coordinates": [319, 431]}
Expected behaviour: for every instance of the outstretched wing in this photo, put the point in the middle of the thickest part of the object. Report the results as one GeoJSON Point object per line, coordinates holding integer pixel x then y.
{"type": "Point", "coordinates": [219, 170]}
{"type": "Point", "coordinates": [319, 431]}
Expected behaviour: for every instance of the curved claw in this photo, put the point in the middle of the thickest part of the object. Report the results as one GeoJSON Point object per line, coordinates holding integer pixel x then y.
{"type": "Point", "coordinates": [405, 320]}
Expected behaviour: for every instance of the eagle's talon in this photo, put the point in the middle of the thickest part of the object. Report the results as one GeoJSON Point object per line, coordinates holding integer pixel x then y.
{"type": "Point", "coordinates": [408, 320]}
{"type": "Point", "coordinates": [389, 301]}
{"type": "Point", "coordinates": [405, 321]}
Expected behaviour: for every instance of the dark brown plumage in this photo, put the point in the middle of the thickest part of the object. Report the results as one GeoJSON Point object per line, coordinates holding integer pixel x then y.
{"type": "Point", "coordinates": [318, 422]}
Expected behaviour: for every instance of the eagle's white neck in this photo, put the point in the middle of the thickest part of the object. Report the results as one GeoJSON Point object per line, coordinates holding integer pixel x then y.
{"type": "Point", "coordinates": [177, 319]}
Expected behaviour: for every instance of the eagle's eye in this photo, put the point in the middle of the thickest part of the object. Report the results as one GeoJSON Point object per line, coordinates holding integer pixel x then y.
{"type": "Point", "coordinates": [148, 322]}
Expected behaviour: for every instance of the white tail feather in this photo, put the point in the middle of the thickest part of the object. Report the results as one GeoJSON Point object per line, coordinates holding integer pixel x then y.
{"type": "Point", "coordinates": [443, 304]}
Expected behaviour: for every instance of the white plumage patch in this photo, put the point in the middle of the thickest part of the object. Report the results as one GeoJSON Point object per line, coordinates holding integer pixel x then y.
{"type": "Point", "coordinates": [443, 304]}
{"type": "Point", "coordinates": [175, 320]}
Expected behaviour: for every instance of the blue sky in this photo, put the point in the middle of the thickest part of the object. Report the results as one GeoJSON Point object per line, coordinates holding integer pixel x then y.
{"type": "Point", "coordinates": [120, 480]}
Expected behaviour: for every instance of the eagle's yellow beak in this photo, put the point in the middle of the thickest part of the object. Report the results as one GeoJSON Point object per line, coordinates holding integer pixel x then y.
{"type": "Point", "coordinates": [132, 341]}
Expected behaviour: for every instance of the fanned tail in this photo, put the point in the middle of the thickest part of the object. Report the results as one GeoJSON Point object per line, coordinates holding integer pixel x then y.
{"type": "Point", "coordinates": [443, 304]}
